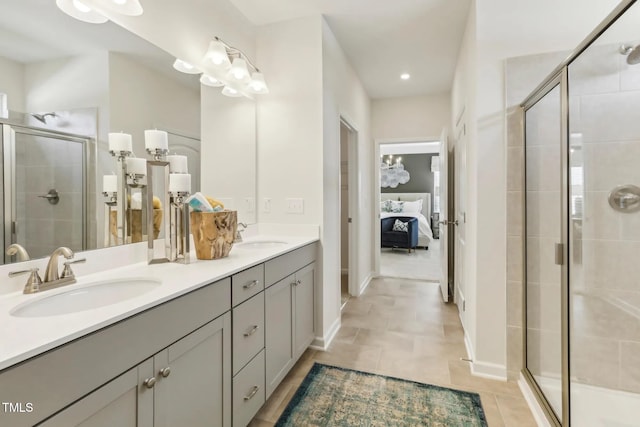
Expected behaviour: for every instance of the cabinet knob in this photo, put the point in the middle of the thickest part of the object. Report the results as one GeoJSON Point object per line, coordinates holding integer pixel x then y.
{"type": "Point", "coordinates": [254, 390]}
{"type": "Point", "coordinates": [150, 382]}
{"type": "Point", "coordinates": [296, 283]}
{"type": "Point", "coordinates": [165, 372]}
{"type": "Point", "coordinates": [251, 331]}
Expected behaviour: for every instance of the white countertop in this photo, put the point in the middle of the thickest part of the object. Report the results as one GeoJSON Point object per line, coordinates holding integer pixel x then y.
{"type": "Point", "coordinates": [24, 337]}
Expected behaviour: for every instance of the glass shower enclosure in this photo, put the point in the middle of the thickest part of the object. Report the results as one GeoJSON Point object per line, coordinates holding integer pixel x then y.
{"type": "Point", "coordinates": [582, 231]}
{"type": "Point", "coordinates": [44, 190]}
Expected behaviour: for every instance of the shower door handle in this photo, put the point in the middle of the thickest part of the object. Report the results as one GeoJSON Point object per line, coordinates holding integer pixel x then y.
{"type": "Point", "coordinates": [559, 254]}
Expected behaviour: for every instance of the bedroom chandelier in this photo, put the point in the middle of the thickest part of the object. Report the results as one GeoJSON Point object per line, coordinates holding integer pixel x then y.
{"type": "Point", "coordinates": [393, 173]}
{"type": "Point", "coordinates": [229, 68]}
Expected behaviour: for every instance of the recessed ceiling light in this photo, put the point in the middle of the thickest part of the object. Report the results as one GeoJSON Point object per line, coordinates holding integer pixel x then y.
{"type": "Point", "coordinates": [405, 76]}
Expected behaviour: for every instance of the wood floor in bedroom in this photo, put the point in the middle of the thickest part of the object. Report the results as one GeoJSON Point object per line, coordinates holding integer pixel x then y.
{"type": "Point", "coordinates": [402, 329]}
{"type": "Point", "coordinates": [421, 264]}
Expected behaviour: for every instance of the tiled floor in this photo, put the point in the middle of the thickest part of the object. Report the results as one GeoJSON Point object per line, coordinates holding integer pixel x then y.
{"type": "Point", "coordinates": [421, 264]}
{"type": "Point", "coordinates": [402, 329]}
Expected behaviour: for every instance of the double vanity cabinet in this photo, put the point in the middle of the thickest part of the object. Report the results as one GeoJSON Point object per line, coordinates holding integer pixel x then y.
{"type": "Point", "coordinates": [207, 358]}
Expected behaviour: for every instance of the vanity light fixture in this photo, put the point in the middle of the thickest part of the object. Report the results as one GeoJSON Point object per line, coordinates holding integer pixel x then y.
{"type": "Point", "coordinates": [185, 67]}
{"type": "Point", "coordinates": [228, 67]}
{"type": "Point", "coordinates": [405, 76]}
{"type": "Point", "coordinates": [93, 11]}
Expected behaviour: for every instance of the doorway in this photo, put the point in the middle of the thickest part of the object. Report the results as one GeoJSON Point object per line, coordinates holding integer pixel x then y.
{"type": "Point", "coordinates": [409, 193]}
{"type": "Point", "coordinates": [348, 240]}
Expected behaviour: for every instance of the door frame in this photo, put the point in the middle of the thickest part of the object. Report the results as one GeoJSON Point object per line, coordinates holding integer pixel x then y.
{"type": "Point", "coordinates": [352, 172]}
{"type": "Point", "coordinates": [376, 190]}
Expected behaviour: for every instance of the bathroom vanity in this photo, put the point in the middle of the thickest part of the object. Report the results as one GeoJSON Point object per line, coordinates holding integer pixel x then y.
{"type": "Point", "coordinates": [195, 352]}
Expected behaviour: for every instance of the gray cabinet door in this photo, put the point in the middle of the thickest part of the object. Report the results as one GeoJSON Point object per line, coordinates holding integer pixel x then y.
{"type": "Point", "coordinates": [122, 402]}
{"type": "Point", "coordinates": [278, 332]}
{"type": "Point", "coordinates": [303, 324]}
{"type": "Point", "coordinates": [197, 390]}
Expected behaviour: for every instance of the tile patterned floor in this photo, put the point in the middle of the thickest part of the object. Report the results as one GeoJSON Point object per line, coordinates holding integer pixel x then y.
{"type": "Point", "coordinates": [401, 328]}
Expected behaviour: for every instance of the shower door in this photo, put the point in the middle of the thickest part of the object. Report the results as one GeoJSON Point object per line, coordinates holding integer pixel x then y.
{"type": "Point", "coordinates": [545, 275]}
{"type": "Point", "coordinates": [45, 190]}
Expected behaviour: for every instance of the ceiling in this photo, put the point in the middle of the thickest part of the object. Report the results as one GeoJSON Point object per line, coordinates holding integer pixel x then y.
{"type": "Point", "coordinates": [383, 38]}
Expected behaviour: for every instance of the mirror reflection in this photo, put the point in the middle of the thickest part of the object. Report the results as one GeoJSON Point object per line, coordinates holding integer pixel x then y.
{"type": "Point", "coordinates": [64, 86]}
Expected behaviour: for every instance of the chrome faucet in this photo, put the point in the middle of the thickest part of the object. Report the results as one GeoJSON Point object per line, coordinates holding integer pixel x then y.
{"type": "Point", "coordinates": [52, 277]}
{"type": "Point", "coordinates": [17, 249]}
{"type": "Point", "coordinates": [238, 237]}
{"type": "Point", "coordinates": [51, 273]}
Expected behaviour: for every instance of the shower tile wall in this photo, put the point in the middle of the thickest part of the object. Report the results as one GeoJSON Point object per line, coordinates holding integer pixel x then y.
{"type": "Point", "coordinates": [43, 164]}
{"type": "Point", "coordinates": [605, 281]}
{"type": "Point", "coordinates": [522, 75]}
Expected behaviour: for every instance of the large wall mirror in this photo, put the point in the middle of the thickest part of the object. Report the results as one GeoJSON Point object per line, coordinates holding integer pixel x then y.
{"type": "Point", "coordinates": [64, 85]}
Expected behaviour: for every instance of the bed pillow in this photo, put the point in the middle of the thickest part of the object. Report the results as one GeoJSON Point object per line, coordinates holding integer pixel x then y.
{"type": "Point", "coordinates": [413, 207]}
{"type": "Point", "coordinates": [385, 206]}
{"type": "Point", "coordinates": [401, 226]}
{"type": "Point", "coordinates": [397, 207]}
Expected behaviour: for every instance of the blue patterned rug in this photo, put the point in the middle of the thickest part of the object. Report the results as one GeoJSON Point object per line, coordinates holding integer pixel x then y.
{"type": "Point", "coordinates": [332, 396]}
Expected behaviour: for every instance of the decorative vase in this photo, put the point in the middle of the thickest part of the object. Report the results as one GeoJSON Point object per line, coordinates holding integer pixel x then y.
{"type": "Point", "coordinates": [214, 233]}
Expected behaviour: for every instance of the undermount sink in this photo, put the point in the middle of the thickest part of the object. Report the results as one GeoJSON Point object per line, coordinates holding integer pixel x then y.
{"type": "Point", "coordinates": [259, 244]}
{"type": "Point", "coordinates": [92, 295]}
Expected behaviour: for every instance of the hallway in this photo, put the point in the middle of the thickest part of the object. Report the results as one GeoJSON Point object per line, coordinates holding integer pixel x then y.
{"type": "Point", "coordinates": [401, 328]}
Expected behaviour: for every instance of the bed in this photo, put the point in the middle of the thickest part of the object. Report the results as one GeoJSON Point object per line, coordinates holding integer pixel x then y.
{"type": "Point", "coordinates": [425, 234]}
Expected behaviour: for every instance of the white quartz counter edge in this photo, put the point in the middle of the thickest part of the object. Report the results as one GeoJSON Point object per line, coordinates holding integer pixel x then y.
{"type": "Point", "coordinates": [22, 338]}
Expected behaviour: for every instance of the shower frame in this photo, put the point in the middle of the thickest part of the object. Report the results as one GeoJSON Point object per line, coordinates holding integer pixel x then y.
{"type": "Point", "coordinates": [558, 77]}
{"type": "Point", "coordinates": [8, 178]}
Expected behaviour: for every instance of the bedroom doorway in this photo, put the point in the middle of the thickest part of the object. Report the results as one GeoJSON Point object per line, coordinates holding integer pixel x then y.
{"type": "Point", "coordinates": [408, 197]}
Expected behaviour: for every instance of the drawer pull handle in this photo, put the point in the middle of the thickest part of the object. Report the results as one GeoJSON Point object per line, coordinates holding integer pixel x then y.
{"type": "Point", "coordinates": [253, 393]}
{"type": "Point", "coordinates": [252, 331]}
{"type": "Point", "coordinates": [150, 382]}
{"type": "Point", "coordinates": [251, 284]}
{"type": "Point", "coordinates": [165, 372]}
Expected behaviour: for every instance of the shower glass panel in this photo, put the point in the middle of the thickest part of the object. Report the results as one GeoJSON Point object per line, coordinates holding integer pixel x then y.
{"type": "Point", "coordinates": [543, 151]}
{"type": "Point", "coordinates": [604, 227]}
{"type": "Point", "coordinates": [45, 206]}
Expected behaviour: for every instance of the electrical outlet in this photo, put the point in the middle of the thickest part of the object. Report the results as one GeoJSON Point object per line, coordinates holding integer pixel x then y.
{"type": "Point", "coordinates": [266, 205]}
{"type": "Point", "coordinates": [295, 206]}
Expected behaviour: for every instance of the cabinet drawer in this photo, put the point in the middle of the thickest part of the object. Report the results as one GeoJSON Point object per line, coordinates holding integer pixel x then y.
{"type": "Point", "coordinates": [248, 391]}
{"type": "Point", "coordinates": [246, 284]}
{"type": "Point", "coordinates": [284, 265]}
{"type": "Point", "coordinates": [248, 331]}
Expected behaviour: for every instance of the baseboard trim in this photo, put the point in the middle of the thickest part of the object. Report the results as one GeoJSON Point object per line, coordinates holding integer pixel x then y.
{"type": "Point", "coordinates": [323, 343]}
{"type": "Point", "coordinates": [366, 283]}
{"type": "Point", "coordinates": [492, 371]}
{"type": "Point", "coordinates": [534, 406]}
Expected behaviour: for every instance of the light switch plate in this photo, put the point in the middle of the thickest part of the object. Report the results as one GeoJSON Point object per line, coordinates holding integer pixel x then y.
{"type": "Point", "coordinates": [250, 204]}
{"type": "Point", "coordinates": [295, 206]}
{"type": "Point", "coordinates": [266, 205]}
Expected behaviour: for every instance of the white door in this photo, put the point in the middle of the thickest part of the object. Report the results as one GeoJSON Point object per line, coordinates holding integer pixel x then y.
{"type": "Point", "coordinates": [458, 219]}
{"type": "Point", "coordinates": [444, 211]}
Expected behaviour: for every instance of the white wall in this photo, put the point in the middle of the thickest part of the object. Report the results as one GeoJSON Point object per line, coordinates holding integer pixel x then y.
{"type": "Point", "coordinates": [229, 154]}
{"type": "Point", "coordinates": [410, 116]}
{"type": "Point", "coordinates": [344, 95]}
{"type": "Point", "coordinates": [12, 83]}
{"type": "Point", "coordinates": [141, 98]}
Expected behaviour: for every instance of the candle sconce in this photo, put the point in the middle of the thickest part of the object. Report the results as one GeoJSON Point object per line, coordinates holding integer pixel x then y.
{"type": "Point", "coordinates": [110, 205]}
{"type": "Point", "coordinates": [180, 228]}
{"type": "Point", "coordinates": [122, 197]}
{"type": "Point", "coordinates": [148, 191]}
